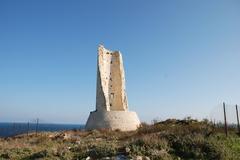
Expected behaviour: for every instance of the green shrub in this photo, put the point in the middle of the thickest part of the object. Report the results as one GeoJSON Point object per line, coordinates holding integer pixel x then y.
{"type": "Point", "coordinates": [150, 145]}
{"type": "Point", "coordinates": [102, 150]}
{"type": "Point", "coordinates": [197, 147]}
{"type": "Point", "coordinates": [97, 150]}
{"type": "Point", "coordinates": [40, 154]}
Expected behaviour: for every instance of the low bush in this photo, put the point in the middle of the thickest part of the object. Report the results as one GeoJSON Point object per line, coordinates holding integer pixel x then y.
{"type": "Point", "coordinates": [171, 139]}
{"type": "Point", "coordinates": [150, 145]}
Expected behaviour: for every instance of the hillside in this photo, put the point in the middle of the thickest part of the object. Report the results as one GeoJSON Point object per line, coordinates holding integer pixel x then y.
{"type": "Point", "coordinates": [170, 139]}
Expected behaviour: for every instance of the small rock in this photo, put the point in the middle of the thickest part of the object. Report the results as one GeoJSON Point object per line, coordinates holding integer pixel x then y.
{"type": "Point", "coordinates": [127, 150]}
{"type": "Point", "coordinates": [66, 136]}
{"type": "Point", "coordinates": [98, 139]}
{"type": "Point", "coordinates": [51, 136]}
{"type": "Point", "coordinates": [138, 158]}
{"type": "Point", "coordinates": [146, 158]}
{"type": "Point", "coordinates": [55, 151]}
{"type": "Point", "coordinates": [88, 158]}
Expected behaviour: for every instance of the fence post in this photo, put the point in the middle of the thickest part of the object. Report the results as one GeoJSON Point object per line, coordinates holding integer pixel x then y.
{"type": "Point", "coordinates": [37, 126]}
{"type": "Point", "coordinates": [238, 126]}
{"type": "Point", "coordinates": [27, 128]}
{"type": "Point", "coordinates": [225, 120]}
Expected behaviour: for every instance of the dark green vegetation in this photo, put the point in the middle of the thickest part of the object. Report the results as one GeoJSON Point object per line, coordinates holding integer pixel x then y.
{"type": "Point", "coordinates": [170, 139]}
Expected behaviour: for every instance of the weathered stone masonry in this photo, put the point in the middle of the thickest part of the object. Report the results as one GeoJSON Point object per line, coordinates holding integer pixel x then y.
{"type": "Point", "coordinates": [111, 99]}
{"type": "Point", "coordinates": [110, 81]}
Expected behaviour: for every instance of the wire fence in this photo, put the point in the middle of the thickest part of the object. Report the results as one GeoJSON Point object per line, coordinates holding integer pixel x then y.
{"type": "Point", "coordinates": [35, 126]}
{"type": "Point", "coordinates": [226, 115]}
{"type": "Point", "coordinates": [217, 114]}
{"type": "Point", "coordinates": [222, 115]}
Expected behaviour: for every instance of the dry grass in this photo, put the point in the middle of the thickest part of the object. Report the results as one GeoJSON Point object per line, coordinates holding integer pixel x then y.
{"type": "Point", "coordinates": [171, 139]}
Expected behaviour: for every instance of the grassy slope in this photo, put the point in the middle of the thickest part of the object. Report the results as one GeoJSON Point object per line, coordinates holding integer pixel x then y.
{"type": "Point", "coordinates": [171, 139]}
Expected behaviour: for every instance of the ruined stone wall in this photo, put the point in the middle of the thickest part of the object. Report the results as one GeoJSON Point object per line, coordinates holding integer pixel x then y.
{"type": "Point", "coordinates": [111, 94]}
{"type": "Point", "coordinates": [111, 101]}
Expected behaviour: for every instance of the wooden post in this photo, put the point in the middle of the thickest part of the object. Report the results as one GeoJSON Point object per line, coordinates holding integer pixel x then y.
{"type": "Point", "coordinates": [14, 131]}
{"type": "Point", "coordinates": [238, 126]}
{"type": "Point", "coordinates": [37, 126]}
{"type": "Point", "coordinates": [27, 128]}
{"type": "Point", "coordinates": [225, 120]}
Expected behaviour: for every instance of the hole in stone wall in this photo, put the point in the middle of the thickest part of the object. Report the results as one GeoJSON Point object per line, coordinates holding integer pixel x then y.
{"type": "Point", "coordinates": [112, 95]}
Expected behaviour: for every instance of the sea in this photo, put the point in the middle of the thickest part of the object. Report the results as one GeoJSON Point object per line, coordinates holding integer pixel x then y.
{"type": "Point", "coordinates": [13, 129]}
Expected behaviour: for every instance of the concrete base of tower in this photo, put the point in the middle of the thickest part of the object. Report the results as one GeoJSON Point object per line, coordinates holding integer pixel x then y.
{"type": "Point", "coordinates": [122, 120]}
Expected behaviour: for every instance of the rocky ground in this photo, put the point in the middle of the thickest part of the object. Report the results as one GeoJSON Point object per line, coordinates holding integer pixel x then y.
{"type": "Point", "coordinates": [171, 139]}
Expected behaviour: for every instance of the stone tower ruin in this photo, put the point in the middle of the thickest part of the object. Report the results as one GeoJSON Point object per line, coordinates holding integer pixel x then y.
{"type": "Point", "coordinates": [111, 99]}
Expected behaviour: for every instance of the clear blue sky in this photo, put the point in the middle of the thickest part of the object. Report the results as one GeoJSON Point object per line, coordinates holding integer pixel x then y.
{"type": "Point", "coordinates": [181, 57]}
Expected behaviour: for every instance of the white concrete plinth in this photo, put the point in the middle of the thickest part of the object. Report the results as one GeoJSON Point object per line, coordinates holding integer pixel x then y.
{"type": "Point", "coordinates": [122, 120]}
